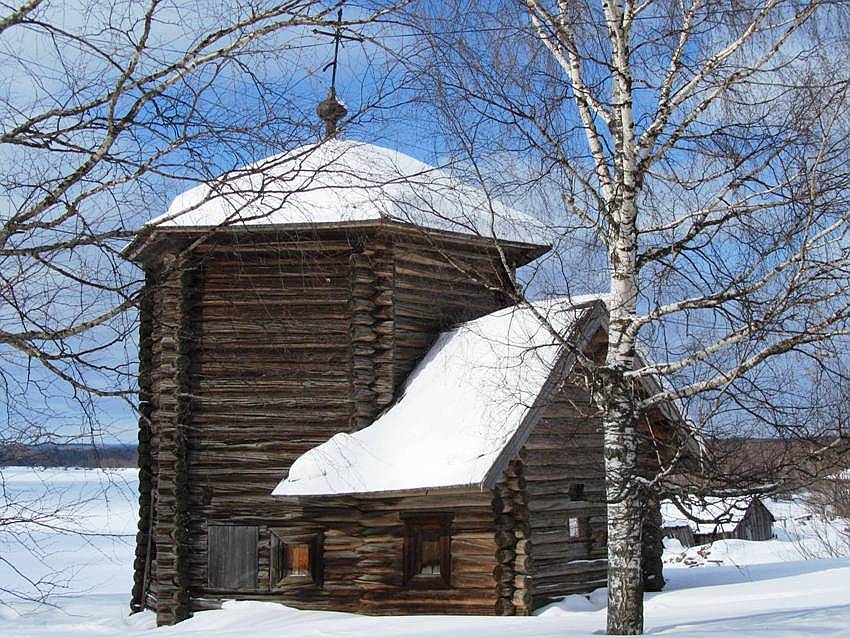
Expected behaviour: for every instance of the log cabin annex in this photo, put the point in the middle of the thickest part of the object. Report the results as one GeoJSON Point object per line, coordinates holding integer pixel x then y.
{"type": "Point", "coordinates": [341, 408]}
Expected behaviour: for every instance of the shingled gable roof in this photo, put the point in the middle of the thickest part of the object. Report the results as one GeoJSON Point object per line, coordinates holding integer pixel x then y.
{"type": "Point", "coordinates": [342, 183]}
{"type": "Point", "coordinates": [465, 411]}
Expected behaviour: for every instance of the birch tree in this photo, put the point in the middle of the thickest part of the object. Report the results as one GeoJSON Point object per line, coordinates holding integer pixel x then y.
{"type": "Point", "coordinates": [700, 146]}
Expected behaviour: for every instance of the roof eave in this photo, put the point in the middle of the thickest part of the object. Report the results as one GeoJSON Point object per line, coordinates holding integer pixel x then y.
{"type": "Point", "coordinates": [149, 236]}
{"type": "Point", "coordinates": [404, 492]}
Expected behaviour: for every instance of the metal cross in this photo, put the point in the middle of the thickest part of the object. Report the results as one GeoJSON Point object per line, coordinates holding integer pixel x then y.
{"type": "Point", "coordinates": [338, 37]}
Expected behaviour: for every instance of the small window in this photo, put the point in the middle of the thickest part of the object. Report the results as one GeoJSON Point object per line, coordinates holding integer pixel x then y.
{"type": "Point", "coordinates": [576, 528]}
{"type": "Point", "coordinates": [427, 550]}
{"type": "Point", "coordinates": [295, 559]}
{"type": "Point", "coordinates": [576, 492]}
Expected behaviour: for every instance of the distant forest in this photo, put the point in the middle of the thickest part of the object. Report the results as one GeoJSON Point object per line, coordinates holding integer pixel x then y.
{"type": "Point", "coordinates": [68, 455]}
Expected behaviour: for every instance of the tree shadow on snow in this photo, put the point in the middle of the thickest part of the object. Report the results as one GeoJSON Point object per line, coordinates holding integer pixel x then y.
{"type": "Point", "coordinates": [678, 579]}
{"type": "Point", "coordinates": [802, 622]}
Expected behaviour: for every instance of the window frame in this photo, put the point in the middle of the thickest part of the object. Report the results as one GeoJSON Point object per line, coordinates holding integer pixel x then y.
{"type": "Point", "coordinates": [582, 526]}
{"type": "Point", "coordinates": [415, 527]}
{"type": "Point", "coordinates": [279, 540]}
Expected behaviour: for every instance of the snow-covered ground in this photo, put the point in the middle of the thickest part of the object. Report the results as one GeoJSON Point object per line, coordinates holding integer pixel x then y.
{"type": "Point", "coordinates": [80, 538]}
{"type": "Point", "coordinates": [732, 588]}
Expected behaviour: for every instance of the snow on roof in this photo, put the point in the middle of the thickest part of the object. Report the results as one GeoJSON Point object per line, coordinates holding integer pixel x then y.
{"type": "Point", "coordinates": [346, 181]}
{"type": "Point", "coordinates": [461, 406]}
{"type": "Point", "coordinates": [843, 475]}
{"type": "Point", "coordinates": [718, 513]}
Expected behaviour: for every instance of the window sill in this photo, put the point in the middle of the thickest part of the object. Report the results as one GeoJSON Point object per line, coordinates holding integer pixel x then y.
{"type": "Point", "coordinates": [295, 581]}
{"type": "Point", "coordinates": [428, 582]}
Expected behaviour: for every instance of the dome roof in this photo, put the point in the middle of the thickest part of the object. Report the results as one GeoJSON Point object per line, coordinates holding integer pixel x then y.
{"type": "Point", "coordinates": [342, 182]}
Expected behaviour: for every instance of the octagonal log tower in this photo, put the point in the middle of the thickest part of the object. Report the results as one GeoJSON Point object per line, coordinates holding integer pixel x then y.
{"type": "Point", "coordinates": [258, 343]}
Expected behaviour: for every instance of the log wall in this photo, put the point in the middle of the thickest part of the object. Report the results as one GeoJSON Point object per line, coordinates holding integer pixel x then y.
{"type": "Point", "coordinates": [363, 551]}
{"type": "Point", "coordinates": [437, 286]}
{"type": "Point", "coordinates": [372, 321]}
{"type": "Point", "coordinates": [254, 353]}
{"type": "Point", "coordinates": [261, 350]}
{"type": "Point", "coordinates": [141, 563]}
{"type": "Point", "coordinates": [565, 450]}
{"type": "Point", "coordinates": [168, 334]}
{"type": "Point", "coordinates": [514, 566]}
{"type": "Point", "coordinates": [274, 377]}
{"type": "Point", "coordinates": [273, 371]}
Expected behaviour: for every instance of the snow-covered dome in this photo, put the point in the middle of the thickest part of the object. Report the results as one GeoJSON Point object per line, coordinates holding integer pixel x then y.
{"type": "Point", "coordinates": [342, 182]}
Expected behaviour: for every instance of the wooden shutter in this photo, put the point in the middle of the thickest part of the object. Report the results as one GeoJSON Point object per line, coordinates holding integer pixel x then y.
{"type": "Point", "coordinates": [297, 560]}
{"type": "Point", "coordinates": [232, 557]}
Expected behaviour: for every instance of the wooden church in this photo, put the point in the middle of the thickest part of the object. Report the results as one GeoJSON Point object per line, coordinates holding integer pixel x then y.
{"type": "Point", "coordinates": [342, 409]}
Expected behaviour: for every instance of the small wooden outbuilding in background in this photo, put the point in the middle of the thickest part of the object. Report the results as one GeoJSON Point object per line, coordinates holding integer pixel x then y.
{"type": "Point", "coordinates": [711, 519]}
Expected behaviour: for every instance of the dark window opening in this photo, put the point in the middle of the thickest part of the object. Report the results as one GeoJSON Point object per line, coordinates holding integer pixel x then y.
{"type": "Point", "coordinates": [427, 550]}
{"type": "Point", "coordinates": [576, 492]}
{"type": "Point", "coordinates": [295, 559]}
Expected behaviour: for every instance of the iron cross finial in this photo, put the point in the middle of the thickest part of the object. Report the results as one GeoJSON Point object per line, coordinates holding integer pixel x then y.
{"type": "Point", "coordinates": [331, 110]}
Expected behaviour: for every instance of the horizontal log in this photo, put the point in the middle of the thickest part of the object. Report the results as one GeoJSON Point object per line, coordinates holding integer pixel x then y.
{"type": "Point", "coordinates": [570, 571]}
{"type": "Point", "coordinates": [467, 545]}
{"type": "Point", "coordinates": [566, 551]}
{"type": "Point", "coordinates": [545, 589]}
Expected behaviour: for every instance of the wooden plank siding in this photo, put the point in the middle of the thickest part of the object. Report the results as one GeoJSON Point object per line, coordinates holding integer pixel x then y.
{"type": "Point", "coordinates": [757, 524]}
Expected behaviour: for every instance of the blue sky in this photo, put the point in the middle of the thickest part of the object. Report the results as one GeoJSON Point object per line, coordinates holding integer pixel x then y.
{"type": "Point", "coordinates": [271, 98]}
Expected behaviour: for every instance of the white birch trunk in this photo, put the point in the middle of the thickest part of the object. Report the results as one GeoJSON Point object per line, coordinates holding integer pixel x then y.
{"type": "Point", "coordinates": [617, 398]}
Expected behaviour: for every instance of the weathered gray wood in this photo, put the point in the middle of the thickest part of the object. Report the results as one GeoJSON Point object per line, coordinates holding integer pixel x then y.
{"type": "Point", "coordinates": [756, 524]}
{"type": "Point", "coordinates": [144, 537]}
{"type": "Point", "coordinates": [232, 557]}
{"type": "Point", "coordinates": [289, 338]}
